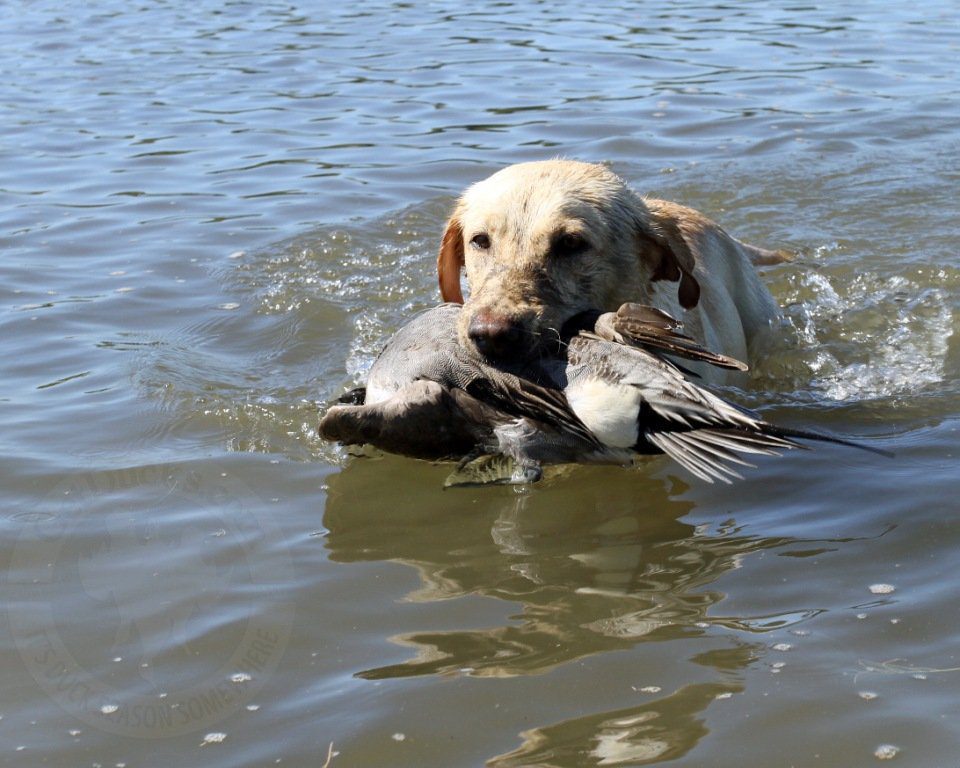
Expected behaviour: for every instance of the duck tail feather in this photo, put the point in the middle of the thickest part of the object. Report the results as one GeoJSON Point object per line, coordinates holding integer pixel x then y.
{"type": "Point", "coordinates": [789, 433]}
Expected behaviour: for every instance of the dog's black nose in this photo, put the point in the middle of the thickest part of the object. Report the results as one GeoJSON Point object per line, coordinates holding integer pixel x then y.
{"type": "Point", "coordinates": [495, 336]}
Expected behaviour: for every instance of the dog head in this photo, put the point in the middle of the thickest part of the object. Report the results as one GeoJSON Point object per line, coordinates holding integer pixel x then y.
{"type": "Point", "coordinates": [540, 242]}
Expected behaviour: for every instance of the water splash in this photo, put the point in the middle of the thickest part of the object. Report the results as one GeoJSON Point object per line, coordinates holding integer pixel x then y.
{"type": "Point", "coordinates": [863, 335]}
{"type": "Point", "coordinates": [373, 276]}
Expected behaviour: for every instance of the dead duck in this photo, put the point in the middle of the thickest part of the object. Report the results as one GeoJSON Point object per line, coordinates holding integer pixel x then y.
{"type": "Point", "coordinates": [612, 392]}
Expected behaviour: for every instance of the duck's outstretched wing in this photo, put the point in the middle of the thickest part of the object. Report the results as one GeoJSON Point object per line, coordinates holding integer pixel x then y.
{"type": "Point", "coordinates": [639, 325]}
{"type": "Point", "coordinates": [667, 397]}
{"type": "Point", "coordinates": [700, 430]}
{"type": "Point", "coordinates": [711, 453]}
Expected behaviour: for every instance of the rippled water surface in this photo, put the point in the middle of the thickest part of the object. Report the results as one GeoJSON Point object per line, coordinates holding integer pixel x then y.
{"type": "Point", "coordinates": [214, 214]}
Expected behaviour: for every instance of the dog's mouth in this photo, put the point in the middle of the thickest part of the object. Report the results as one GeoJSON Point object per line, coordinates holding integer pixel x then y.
{"type": "Point", "coordinates": [515, 346]}
{"type": "Point", "coordinates": [582, 321]}
{"type": "Point", "coordinates": [515, 340]}
{"type": "Point", "coordinates": [499, 338]}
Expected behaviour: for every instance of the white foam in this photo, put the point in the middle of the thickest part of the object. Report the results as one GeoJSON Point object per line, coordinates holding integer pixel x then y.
{"type": "Point", "coordinates": [866, 336]}
{"type": "Point", "coordinates": [886, 752]}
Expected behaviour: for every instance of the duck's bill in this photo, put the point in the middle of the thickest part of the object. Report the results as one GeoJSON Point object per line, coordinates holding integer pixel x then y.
{"type": "Point", "coordinates": [355, 396]}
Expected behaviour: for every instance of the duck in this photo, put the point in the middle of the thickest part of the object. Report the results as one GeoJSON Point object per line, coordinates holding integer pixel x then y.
{"type": "Point", "coordinates": [611, 391]}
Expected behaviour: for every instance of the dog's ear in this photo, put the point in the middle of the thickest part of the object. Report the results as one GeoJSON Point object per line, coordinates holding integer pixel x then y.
{"type": "Point", "coordinates": [450, 261]}
{"type": "Point", "coordinates": [671, 258]}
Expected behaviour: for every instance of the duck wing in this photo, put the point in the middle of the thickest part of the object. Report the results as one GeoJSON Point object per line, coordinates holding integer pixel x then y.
{"type": "Point", "coordinates": [711, 453]}
{"type": "Point", "coordinates": [659, 384]}
{"type": "Point", "coordinates": [639, 325]}
{"type": "Point", "coordinates": [521, 397]}
{"type": "Point", "coordinates": [703, 432]}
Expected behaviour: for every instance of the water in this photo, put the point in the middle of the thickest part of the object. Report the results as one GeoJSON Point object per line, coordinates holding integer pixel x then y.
{"type": "Point", "coordinates": [212, 217]}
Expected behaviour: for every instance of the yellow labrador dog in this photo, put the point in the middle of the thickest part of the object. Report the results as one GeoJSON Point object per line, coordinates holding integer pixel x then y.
{"type": "Point", "coordinates": [541, 242]}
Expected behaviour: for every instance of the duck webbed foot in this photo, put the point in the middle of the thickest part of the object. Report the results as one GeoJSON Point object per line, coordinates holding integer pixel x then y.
{"type": "Point", "coordinates": [480, 468]}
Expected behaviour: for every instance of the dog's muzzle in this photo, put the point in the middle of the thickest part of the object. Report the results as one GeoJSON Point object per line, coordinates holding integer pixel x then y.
{"type": "Point", "coordinates": [496, 337]}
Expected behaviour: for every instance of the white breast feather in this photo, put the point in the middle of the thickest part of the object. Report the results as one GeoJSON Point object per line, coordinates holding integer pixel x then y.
{"type": "Point", "coordinates": [610, 411]}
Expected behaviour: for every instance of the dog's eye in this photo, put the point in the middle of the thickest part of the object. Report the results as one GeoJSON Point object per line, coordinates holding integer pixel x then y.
{"type": "Point", "coordinates": [481, 241]}
{"type": "Point", "coordinates": [569, 244]}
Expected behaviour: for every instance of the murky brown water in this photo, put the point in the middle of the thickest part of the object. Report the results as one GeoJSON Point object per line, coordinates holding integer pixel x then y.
{"type": "Point", "coordinates": [214, 215]}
